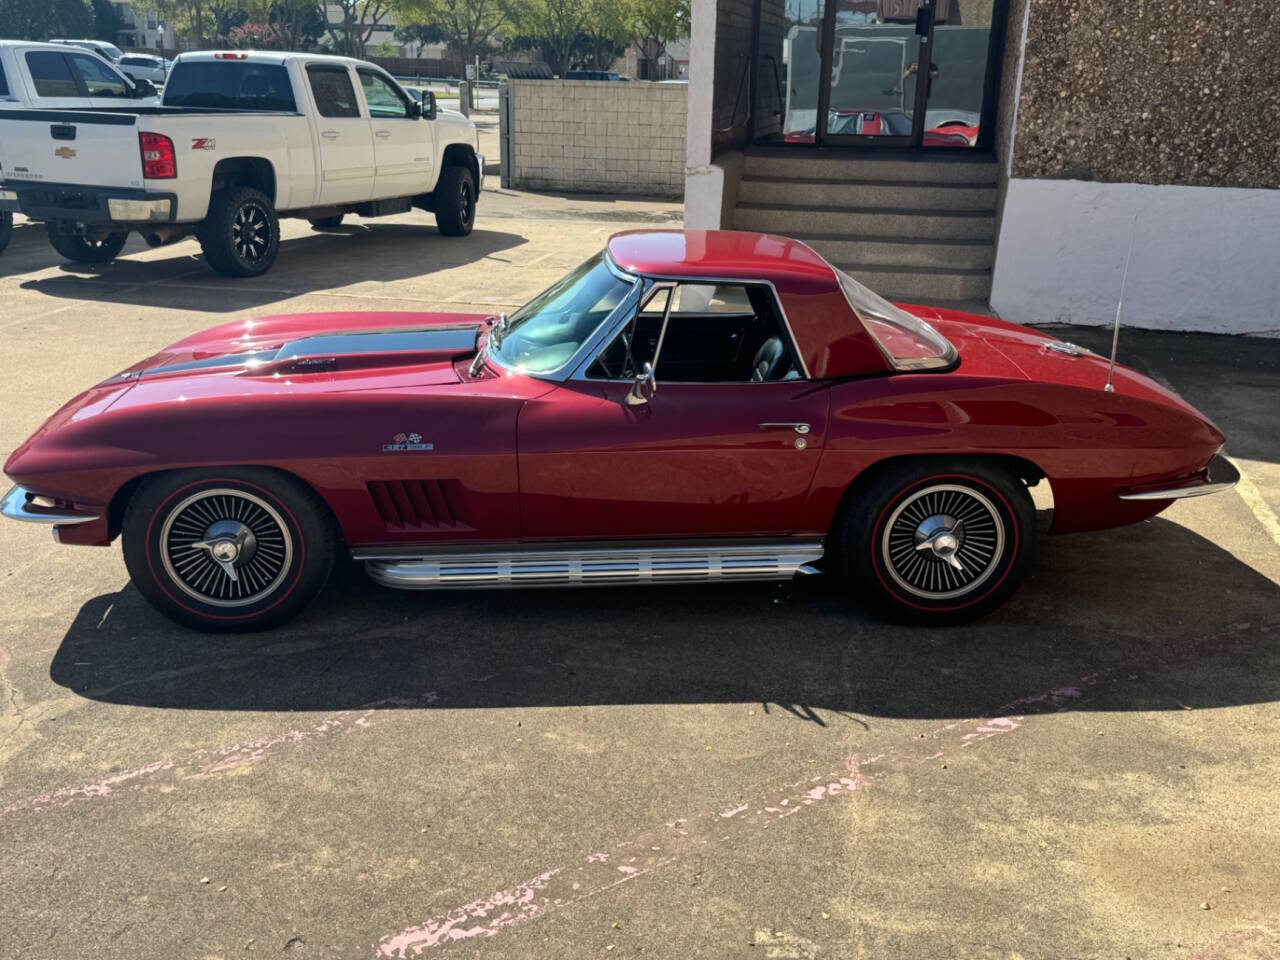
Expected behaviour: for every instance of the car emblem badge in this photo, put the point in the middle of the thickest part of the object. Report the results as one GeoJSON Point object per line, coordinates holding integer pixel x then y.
{"type": "Point", "coordinates": [66, 153]}
{"type": "Point", "coordinates": [406, 443]}
{"type": "Point", "coordinates": [204, 143]}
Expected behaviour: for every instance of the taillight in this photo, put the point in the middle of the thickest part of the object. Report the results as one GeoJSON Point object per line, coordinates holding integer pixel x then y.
{"type": "Point", "coordinates": [231, 56]}
{"type": "Point", "coordinates": [158, 161]}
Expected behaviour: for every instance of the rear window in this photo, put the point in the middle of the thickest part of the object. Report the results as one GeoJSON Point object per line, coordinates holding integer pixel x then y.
{"type": "Point", "coordinates": [229, 85]}
{"type": "Point", "coordinates": [907, 341]}
{"type": "Point", "coordinates": [51, 74]}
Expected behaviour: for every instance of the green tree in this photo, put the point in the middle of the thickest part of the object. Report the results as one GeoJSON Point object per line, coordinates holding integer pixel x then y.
{"type": "Point", "coordinates": [555, 27]}
{"type": "Point", "coordinates": [359, 19]}
{"type": "Point", "coordinates": [106, 21]}
{"type": "Point", "coordinates": [42, 19]}
{"type": "Point", "coordinates": [467, 26]}
{"type": "Point", "coordinates": [298, 24]}
{"type": "Point", "coordinates": [605, 34]}
{"type": "Point", "coordinates": [418, 35]}
{"type": "Point", "coordinates": [655, 23]}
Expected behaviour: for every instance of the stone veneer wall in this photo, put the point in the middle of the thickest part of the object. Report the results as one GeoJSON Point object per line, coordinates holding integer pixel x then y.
{"type": "Point", "coordinates": [588, 136]}
{"type": "Point", "coordinates": [1179, 92]}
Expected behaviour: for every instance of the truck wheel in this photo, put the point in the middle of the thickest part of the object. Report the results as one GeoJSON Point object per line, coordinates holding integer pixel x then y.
{"type": "Point", "coordinates": [939, 541]}
{"type": "Point", "coordinates": [6, 228]}
{"type": "Point", "coordinates": [455, 201]}
{"type": "Point", "coordinates": [82, 249]}
{"type": "Point", "coordinates": [241, 235]}
{"type": "Point", "coordinates": [327, 223]}
{"type": "Point", "coordinates": [228, 549]}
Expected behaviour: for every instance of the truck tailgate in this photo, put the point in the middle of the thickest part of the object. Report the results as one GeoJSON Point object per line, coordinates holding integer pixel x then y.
{"type": "Point", "coordinates": [81, 147]}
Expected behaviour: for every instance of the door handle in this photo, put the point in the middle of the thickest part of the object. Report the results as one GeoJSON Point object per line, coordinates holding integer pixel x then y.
{"type": "Point", "coordinates": [330, 134]}
{"type": "Point", "coordinates": [800, 428]}
{"type": "Point", "coordinates": [383, 134]}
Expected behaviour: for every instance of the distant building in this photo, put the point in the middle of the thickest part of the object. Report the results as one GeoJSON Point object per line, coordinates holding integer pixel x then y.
{"type": "Point", "coordinates": [143, 31]}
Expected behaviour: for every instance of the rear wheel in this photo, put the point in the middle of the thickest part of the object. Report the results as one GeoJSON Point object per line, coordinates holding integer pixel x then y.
{"type": "Point", "coordinates": [939, 541]}
{"type": "Point", "coordinates": [6, 228]}
{"type": "Point", "coordinates": [455, 201]}
{"type": "Point", "coordinates": [82, 249]}
{"type": "Point", "coordinates": [240, 236]}
{"type": "Point", "coordinates": [228, 550]}
{"type": "Point", "coordinates": [327, 223]}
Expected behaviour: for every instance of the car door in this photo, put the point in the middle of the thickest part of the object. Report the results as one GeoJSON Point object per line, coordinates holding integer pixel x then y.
{"type": "Point", "coordinates": [704, 450]}
{"type": "Point", "coordinates": [402, 141]}
{"type": "Point", "coordinates": [53, 82]}
{"type": "Point", "coordinates": [103, 86]}
{"type": "Point", "coordinates": [344, 140]}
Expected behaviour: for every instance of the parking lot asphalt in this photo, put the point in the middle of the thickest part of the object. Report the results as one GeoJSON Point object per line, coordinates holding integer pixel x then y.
{"type": "Point", "coordinates": [737, 771]}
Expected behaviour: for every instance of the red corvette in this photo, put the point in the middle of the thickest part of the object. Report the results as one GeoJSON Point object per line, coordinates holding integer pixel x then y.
{"type": "Point", "coordinates": [684, 406]}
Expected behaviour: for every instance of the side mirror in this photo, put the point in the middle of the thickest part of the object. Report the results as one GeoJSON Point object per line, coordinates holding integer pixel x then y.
{"type": "Point", "coordinates": [143, 88]}
{"type": "Point", "coordinates": [415, 109]}
{"type": "Point", "coordinates": [428, 105]}
{"type": "Point", "coordinates": [643, 388]}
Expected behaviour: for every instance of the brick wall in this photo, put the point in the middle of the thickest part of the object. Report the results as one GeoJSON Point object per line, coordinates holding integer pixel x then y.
{"type": "Point", "coordinates": [590, 136]}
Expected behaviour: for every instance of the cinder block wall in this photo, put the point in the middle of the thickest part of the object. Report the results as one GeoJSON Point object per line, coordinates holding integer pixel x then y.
{"type": "Point", "coordinates": [588, 136]}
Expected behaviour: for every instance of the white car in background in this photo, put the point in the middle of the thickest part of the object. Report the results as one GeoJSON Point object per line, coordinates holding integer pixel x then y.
{"type": "Point", "coordinates": [107, 51]}
{"type": "Point", "coordinates": [145, 66]}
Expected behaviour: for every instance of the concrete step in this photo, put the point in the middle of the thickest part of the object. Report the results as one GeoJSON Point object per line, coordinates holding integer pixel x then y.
{"type": "Point", "coordinates": [790, 221]}
{"type": "Point", "coordinates": [921, 283]}
{"type": "Point", "coordinates": [813, 164]}
{"type": "Point", "coordinates": [867, 193]}
{"type": "Point", "coordinates": [915, 252]}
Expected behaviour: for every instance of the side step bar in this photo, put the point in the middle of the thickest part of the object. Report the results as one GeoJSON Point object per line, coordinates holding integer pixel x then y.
{"type": "Point", "coordinates": [588, 565]}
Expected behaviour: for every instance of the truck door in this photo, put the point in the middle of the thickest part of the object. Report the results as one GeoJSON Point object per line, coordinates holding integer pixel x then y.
{"type": "Point", "coordinates": [402, 145]}
{"type": "Point", "coordinates": [344, 140]}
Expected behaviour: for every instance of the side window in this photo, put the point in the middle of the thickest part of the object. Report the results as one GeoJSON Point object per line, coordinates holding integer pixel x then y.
{"type": "Point", "coordinates": [384, 99]}
{"type": "Point", "coordinates": [715, 333]}
{"type": "Point", "coordinates": [4, 83]}
{"type": "Point", "coordinates": [98, 79]}
{"type": "Point", "coordinates": [51, 74]}
{"type": "Point", "coordinates": [335, 96]}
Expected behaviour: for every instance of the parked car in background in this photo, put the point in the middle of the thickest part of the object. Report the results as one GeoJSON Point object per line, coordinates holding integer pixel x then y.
{"type": "Point", "coordinates": [685, 406]}
{"type": "Point", "coordinates": [239, 140]}
{"type": "Point", "coordinates": [592, 75]}
{"type": "Point", "coordinates": [51, 76]}
{"type": "Point", "coordinates": [144, 66]}
{"type": "Point", "coordinates": [107, 51]}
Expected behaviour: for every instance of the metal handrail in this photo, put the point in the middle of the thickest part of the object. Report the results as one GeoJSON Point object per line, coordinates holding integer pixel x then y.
{"type": "Point", "coordinates": [777, 82]}
{"type": "Point", "coordinates": [742, 83]}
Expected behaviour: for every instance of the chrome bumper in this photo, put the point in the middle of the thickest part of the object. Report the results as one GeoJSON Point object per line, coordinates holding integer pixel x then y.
{"type": "Point", "coordinates": [1221, 474]}
{"type": "Point", "coordinates": [20, 504]}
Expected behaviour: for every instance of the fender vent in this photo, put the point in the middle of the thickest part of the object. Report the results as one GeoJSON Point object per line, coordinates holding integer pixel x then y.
{"type": "Point", "coordinates": [408, 506]}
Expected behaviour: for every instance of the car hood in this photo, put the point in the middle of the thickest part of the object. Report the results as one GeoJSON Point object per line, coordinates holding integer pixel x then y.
{"type": "Point", "coordinates": [354, 350]}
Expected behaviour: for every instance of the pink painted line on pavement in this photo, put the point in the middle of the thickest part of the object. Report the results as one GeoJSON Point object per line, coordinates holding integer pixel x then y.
{"type": "Point", "coordinates": [599, 871]}
{"type": "Point", "coordinates": [208, 761]}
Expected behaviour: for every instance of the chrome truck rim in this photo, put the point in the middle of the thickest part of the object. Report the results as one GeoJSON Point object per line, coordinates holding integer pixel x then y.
{"type": "Point", "coordinates": [226, 548]}
{"type": "Point", "coordinates": [943, 541]}
{"type": "Point", "coordinates": [250, 234]}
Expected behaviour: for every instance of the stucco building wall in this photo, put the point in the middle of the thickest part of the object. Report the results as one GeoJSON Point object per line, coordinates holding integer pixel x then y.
{"type": "Point", "coordinates": [589, 136]}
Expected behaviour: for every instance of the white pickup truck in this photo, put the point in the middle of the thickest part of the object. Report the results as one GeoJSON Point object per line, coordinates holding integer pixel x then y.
{"type": "Point", "coordinates": [239, 140]}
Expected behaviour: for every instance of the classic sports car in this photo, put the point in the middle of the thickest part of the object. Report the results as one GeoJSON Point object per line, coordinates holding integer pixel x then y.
{"type": "Point", "coordinates": [684, 406]}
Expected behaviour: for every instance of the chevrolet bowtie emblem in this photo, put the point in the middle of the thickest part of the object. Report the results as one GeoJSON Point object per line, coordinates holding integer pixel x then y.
{"type": "Point", "coordinates": [66, 153]}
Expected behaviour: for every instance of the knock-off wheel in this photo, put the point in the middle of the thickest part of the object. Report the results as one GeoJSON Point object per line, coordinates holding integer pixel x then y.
{"type": "Point", "coordinates": [223, 550]}
{"type": "Point", "coordinates": [939, 541]}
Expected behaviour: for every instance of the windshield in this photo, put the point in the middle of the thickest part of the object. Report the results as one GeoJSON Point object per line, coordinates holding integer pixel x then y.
{"type": "Point", "coordinates": [908, 342]}
{"type": "Point", "coordinates": [548, 330]}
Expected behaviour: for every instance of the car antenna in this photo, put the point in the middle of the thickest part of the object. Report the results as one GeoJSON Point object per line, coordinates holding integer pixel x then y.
{"type": "Point", "coordinates": [1115, 333]}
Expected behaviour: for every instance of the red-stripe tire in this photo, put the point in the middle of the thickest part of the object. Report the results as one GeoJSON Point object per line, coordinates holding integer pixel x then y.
{"type": "Point", "coordinates": [938, 541]}
{"type": "Point", "coordinates": [228, 550]}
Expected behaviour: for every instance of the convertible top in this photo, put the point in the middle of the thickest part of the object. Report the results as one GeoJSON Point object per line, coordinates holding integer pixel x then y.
{"type": "Point", "coordinates": [721, 254]}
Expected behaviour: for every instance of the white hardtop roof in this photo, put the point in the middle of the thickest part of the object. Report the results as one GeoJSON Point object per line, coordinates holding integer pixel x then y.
{"type": "Point", "coordinates": [270, 56]}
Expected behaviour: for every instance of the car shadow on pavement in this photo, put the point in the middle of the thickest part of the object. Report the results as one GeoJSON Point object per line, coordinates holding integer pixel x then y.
{"type": "Point", "coordinates": [1137, 617]}
{"type": "Point", "coordinates": [387, 252]}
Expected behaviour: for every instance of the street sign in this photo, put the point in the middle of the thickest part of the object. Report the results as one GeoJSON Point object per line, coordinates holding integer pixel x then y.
{"type": "Point", "coordinates": [471, 71]}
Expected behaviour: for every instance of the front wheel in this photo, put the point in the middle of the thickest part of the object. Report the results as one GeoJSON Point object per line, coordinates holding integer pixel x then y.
{"type": "Point", "coordinates": [455, 201]}
{"type": "Point", "coordinates": [82, 249]}
{"type": "Point", "coordinates": [240, 236]}
{"type": "Point", "coordinates": [226, 550]}
{"type": "Point", "coordinates": [939, 541]}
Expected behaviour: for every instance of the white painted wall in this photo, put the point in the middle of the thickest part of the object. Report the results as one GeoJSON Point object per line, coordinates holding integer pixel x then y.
{"type": "Point", "coordinates": [1204, 258]}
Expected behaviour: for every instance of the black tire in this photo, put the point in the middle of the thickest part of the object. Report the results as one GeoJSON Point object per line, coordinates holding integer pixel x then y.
{"type": "Point", "coordinates": [240, 236]}
{"type": "Point", "coordinates": [455, 201]}
{"type": "Point", "coordinates": [270, 528]}
{"type": "Point", "coordinates": [328, 223]}
{"type": "Point", "coordinates": [82, 249]}
{"type": "Point", "coordinates": [907, 526]}
{"type": "Point", "coordinates": [6, 229]}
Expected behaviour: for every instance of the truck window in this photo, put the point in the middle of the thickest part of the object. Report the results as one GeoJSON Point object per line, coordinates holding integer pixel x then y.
{"type": "Point", "coordinates": [383, 98]}
{"type": "Point", "coordinates": [4, 83]}
{"type": "Point", "coordinates": [331, 86]}
{"type": "Point", "coordinates": [51, 74]}
{"type": "Point", "coordinates": [229, 85]}
{"type": "Point", "coordinates": [99, 80]}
